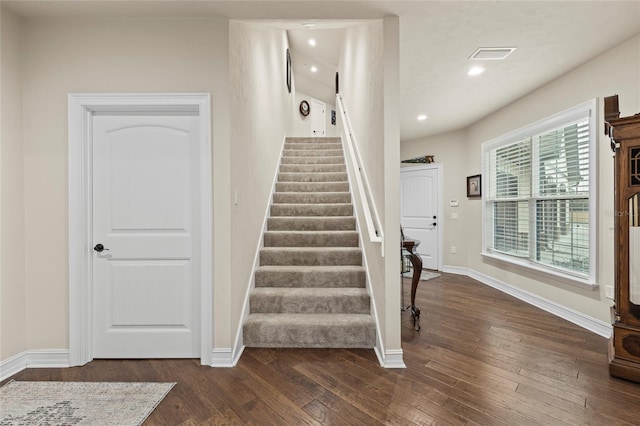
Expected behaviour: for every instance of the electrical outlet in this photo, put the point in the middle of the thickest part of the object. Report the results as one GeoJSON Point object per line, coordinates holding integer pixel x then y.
{"type": "Point", "coordinates": [235, 197]}
{"type": "Point", "coordinates": [454, 250]}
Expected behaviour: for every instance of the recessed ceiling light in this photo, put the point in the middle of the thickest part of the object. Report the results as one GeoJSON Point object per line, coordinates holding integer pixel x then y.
{"type": "Point", "coordinates": [475, 71]}
{"type": "Point", "coordinates": [314, 69]}
{"type": "Point", "coordinates": [421, 117]}
{"type": "Point", "coordinates": [312, 41]}
{"type": "Point", "coordinates": [309, 25]}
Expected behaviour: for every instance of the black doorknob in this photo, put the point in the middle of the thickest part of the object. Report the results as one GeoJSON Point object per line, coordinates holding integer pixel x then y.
{"type": "Point", "coordinates": [435, 224]}
{"type": "Point", "coordinates": [99, 248]}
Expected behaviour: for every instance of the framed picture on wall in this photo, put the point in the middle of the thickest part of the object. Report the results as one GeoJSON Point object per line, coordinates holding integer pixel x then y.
{"type": "Point", "coordinates": [288, 76]}
{"type": "Point", "coordinates": [474, 186]}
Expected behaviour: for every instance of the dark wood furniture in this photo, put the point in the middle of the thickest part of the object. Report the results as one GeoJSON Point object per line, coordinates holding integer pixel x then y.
{"type": "Point", "coordinates": [625, 143]}
{"type": "Point", "coordinates": [410, 247]}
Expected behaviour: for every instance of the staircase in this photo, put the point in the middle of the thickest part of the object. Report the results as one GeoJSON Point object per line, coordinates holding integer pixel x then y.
{"type": "Point", "coordinates": [310, 285]}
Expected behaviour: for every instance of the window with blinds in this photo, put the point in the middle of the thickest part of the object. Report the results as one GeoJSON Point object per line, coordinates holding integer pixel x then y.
{"type": "Point", "coordinates": [540, 194]}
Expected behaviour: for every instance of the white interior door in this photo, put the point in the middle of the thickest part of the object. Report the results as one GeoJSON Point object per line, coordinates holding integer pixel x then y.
{"type": "Point", "coordinates": [145, 215]}
{"type": "Point", "coordinates": [419, 207]}
{"type": "Point", "coordinates": [318, 118]}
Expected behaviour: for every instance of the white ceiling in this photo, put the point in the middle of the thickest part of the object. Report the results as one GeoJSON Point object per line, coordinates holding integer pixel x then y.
{"type": "Point", "coordinates": [324, 55]}
{"type": "Point", "coordinates": [436, 39]}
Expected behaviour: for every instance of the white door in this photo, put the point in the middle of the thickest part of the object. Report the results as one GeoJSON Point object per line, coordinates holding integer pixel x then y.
{"type": "Point", "coordinates": [145, 281]}
{"type": "Point", "coordinates": [318, 118]}
{"type": "Point", "coordinates": [419, 207]}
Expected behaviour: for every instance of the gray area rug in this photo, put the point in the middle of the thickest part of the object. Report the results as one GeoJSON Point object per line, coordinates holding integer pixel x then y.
{"type": "Point", "coordinates": [426, 275]}
{"type": "Point", "coordinates": [79, 403]}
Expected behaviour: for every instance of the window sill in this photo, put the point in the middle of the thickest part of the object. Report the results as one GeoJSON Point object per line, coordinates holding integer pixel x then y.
{"type": "Point", "coordinates": [583, 283]}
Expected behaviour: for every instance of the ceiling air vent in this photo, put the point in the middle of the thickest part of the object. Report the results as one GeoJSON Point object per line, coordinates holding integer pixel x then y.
{"type": "Point", "coordinates": [492, 53]}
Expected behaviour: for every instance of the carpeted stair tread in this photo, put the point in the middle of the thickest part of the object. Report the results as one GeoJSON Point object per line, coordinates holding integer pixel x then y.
{"type": "Point", "coordinates": [311, 197]}
{"type": "Point", "coordinates": [311, 152]}
{"type": "Point", "coordinates": [313, 168]}
{"type": "Point", "coordinates": [312, 177]}
{"type": "Point", "coordinates": [313, 160]}
{"type": "Point", "coordinates": [310, 300]}
{"type": "Point", "coordinates": [312, 186]}
{"type": "Point", "coordinates": [310, 146]}
{"type": "Point", "coordinates": [311, 256]}
{"type": "Point", "coordinates": [313, 140]}
{"type": "Point", "coordinates": [311, 239]}
{"type": "Point", "coordinates": [310, 331]}
{"type": "Point", "coordinates": [310, 285]}
{"type": "Point", "coordinates": [310, 276]}
{"type": "Point", "coordinates": [311, 223]}
{"type": "Point", "coordinates": [293, 209]}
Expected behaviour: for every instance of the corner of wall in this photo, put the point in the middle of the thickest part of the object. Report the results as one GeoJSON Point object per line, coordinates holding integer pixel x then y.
{"type": "Point", "coordinates": [12, 246]}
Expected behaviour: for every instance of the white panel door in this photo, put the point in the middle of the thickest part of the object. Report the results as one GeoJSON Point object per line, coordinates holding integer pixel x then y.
{"type": "Point", "coordinates": [318, 118]}
{"type": "Point", "coordinates": [419, 212]}
{"type": "Point", "coordinates": [145, 281]}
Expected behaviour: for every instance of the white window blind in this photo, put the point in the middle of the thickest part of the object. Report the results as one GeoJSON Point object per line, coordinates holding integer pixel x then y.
{"type": "Point", "coordinates": [510, 171]}
{"type": "Point", "coordinates": [539, 204]}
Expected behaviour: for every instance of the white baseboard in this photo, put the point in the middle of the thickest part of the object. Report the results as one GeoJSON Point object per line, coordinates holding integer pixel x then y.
{"type": "Point", "coordinates": [391, 358]}
{"type": "Point", "coordinates": [458, 270]}
{"type": "Point", "coordinates": [236, 357]}
{"type": "Point", "coordinates": [589, 323]}
{"type": "Point", "coordinates": [223, 357]}
{"type": "Point", "coordinates": [53, 358]}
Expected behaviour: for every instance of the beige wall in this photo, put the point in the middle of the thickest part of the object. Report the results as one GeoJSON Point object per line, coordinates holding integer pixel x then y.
{"type": "Point", "coordinates": [260, 109]}
{"type": "Point", "coordinates": [391, 160]}
{"type": "Point", "coordinates": [360, 56]}
{"type": "Point", "coordinates": [301, 125]}
{"type": "Point", "coordinates": [449, 150]}
{"type": "Point", "coordinates": [361, 85]}
{"type": "Point", "coordinates": [369, 84]}
{"type": "Point", "coordinates": [63, 55]}
{"type": "Point", "coordinates": [12, 248]}
{"type": "Point", "coordinates": [105, 55]}
{"type": "Point", "coordinates": [615, 72]}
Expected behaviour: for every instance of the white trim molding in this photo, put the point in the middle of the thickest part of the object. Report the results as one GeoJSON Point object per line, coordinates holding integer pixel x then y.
{"type": "Point", "coordinates": [532, 134]}
{"type": "Point", "coordinates": [223, 357]}
{"type": "Point", "coordinates": [589, 323]}
{"type": "Point", "coordinates": [81, 107]}
{"type": "Point", "coordinates": [391, 358]}
{"type": "Point", "coordinates": [53, 358]}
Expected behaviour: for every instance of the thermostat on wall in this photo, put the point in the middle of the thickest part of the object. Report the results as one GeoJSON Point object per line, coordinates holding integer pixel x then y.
{"type": "Point", "coordinates": [453, 203]}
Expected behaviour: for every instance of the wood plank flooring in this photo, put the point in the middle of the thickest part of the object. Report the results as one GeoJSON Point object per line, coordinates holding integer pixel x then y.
{"type": "Point", "coordinates": [482, 357]}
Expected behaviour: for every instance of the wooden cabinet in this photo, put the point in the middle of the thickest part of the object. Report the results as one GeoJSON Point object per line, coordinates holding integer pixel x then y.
{"type": "Point", "coordinates": [625, 142]}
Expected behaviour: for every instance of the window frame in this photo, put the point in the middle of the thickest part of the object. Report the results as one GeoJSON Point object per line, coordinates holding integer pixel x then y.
{"type": "Point", "coordinates": [584, 110]}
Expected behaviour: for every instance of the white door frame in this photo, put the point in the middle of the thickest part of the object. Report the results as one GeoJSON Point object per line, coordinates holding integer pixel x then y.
{"type": "Point", "coordinates": [81, 107]}
{"type": "Point", "coordinates": [324, 117]}
{"type": "Point", "coordinates": [439, 192]}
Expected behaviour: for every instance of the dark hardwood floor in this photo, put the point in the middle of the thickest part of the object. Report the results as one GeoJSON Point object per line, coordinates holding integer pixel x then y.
{"type": "Point", "coordinates": [482, 357]}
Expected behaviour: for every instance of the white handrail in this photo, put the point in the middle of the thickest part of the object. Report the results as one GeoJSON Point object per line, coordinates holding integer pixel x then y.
{"type": "Point", "coordinates": [371, 217]}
